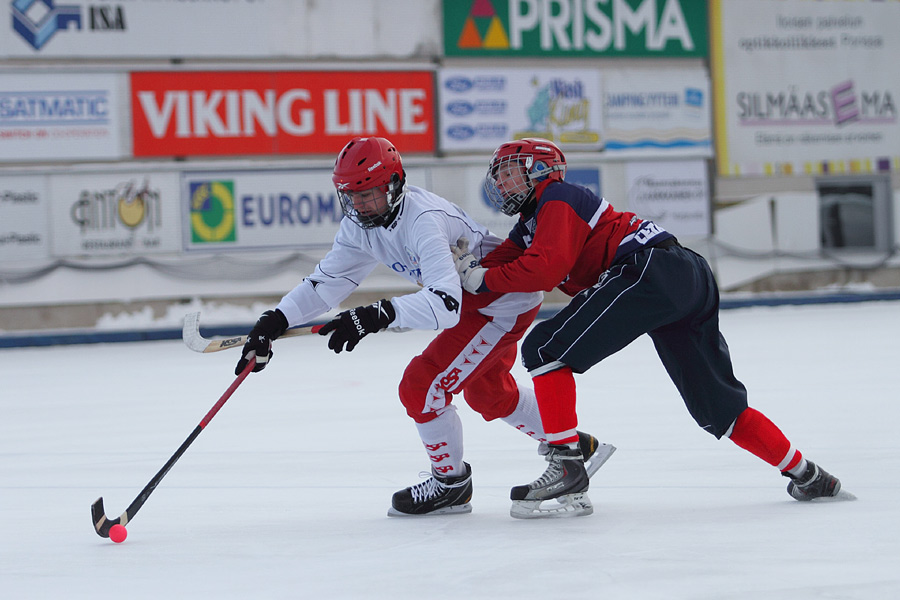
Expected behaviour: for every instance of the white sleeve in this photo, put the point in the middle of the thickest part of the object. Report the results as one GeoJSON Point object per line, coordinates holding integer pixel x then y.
{"type": "Point", "coordinates": [437, 304]}
{"type": "Point", "coordinates": [337, 275]}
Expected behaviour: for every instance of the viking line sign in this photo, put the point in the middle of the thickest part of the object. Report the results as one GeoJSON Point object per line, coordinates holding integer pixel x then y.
{"type": "Point", "coordinates": [252, 113]}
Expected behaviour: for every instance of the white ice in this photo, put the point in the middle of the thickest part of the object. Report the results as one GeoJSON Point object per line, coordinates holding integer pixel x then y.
{"type": "Point", "coordinates": [285, 493]}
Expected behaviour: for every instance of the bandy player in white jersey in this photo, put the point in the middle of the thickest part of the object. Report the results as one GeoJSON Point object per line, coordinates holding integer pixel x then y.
{"type": "Point", "coordinates": [411, 230]}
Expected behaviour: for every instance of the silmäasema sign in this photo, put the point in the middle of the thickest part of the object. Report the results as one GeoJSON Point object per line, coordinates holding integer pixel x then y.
{"type": "Point", "coordinates": [806, 87]}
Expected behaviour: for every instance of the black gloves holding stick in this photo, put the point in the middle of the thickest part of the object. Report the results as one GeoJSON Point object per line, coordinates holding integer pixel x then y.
{"type": "Point", "coordinates": [353, 325]}
{"type": "Point", "coordinates": [270, 325]}
{"type": "Point", "coordinates": [347, 328]}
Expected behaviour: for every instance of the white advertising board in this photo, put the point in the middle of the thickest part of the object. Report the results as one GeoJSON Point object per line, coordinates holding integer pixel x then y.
{"type": "Point", "coordinates": [59, 117]}
{"type": "Point", "coordinates": [262, 210]}
{"type": "Point", "coordinates": [216, 28]}
{"type": "Point", "coordinates": [651, 112]}
{"type": "Point", "coordinates": [24, 231]}
{"type": "Point", "coordinates": [806, 87]}
{"type": "Point", "coordinates": [482, 108]}
{"type": "Point", "coordinates": [115, 214]}
{"type": "Point", "coordinates": [673, 194]}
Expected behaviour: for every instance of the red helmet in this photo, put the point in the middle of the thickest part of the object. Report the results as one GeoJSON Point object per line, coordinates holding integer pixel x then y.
{"type": "Point", "coordinates": [370, 181]}
{"type": "Point", "coordinates": [516, 166]}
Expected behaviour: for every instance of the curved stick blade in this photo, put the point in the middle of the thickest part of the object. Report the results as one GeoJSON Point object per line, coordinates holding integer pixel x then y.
{"type": "Point", "coordinates": [102, 525]}
{"type": "Point", "coordinates": [190, 333]}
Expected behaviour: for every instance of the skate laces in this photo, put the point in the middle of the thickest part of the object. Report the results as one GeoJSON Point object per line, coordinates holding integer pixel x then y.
{"type": "Point", "coordinates": [426, 490]}
{"type": "Point", "coordinates": [813, 477]}
{"type": "Point", "coordinates": [432, 487]}
{"type": "Point", "coordinates": [554, 470]}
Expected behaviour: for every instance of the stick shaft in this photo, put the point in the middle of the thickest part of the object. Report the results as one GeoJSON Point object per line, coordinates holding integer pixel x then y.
{"type": "Point", "coordinates": [102, 524]}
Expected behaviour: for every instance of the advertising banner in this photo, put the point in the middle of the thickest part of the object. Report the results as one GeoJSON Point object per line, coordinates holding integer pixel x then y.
{"type": "Point", "coordinates": [24, 231]}
{"type": "Point", "coordinates": [262, 210]}
{"type": "Point", "coordinates": [656, 112]}
{"type": "Point", "coordinates": [287, 112]}
{"type": "Point", "coordinates": [575, 28]}
{"type": "Point", "coordinates": [672, 194]}
{"type": "Point", "coordinates": [59, 117]}
{"type": "Point", "coordinates": [482, 108]}
{"type": "Point", "coordinates": [217, 29]}
{"type": "Point", "coordinates": [142, 28]}
{"type": "Point", "coordinates": [806, 87]}
{"type": "Point", "coordinates": [114, 214]}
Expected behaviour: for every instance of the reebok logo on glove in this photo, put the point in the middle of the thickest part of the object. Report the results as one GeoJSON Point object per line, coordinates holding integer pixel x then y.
{"type": "Point", "coordinates": [359, 327]}
{"type": "Point", "coordinates": [350, 326]}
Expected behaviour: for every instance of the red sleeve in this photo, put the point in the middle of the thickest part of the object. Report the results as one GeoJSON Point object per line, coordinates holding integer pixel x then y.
{"type": "Point", "coordinates": [506, 252]}
{"type": "Point", "coordinates": [559, 236]}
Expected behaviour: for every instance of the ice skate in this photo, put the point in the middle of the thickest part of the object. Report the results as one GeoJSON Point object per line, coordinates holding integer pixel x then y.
{"type": "Point", "coordinates": [595, 452]}
{"type": "Point", "coordinates": [559, 492]}
{"type": "Point", "coordinates": [436, 495]}
{"type": "Point", "coordinates": [816, 483]}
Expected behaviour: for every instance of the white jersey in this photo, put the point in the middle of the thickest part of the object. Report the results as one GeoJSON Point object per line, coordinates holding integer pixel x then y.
{"type": "Point", "coordinates": [416, 245]}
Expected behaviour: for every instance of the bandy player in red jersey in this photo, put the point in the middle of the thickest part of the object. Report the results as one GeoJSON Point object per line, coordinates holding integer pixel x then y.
{"type": "Point", "coordinates": [628, 277]}
{"type": "Point", "coordinates": [410, 230]}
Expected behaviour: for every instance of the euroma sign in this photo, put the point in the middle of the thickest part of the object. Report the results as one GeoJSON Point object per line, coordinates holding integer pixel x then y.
{"type": "Point", "coordinates": [576, 28]}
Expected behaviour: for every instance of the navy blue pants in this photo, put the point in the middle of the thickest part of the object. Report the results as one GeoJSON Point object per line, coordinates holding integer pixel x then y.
{"type": "Point", "coordinates": [669, 293]}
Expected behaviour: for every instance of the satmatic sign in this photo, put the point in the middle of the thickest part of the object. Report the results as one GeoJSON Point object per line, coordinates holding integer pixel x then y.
{"type": "Point", "coordinates": [241, 113]}
{"type": "Point", "coordinates": [61, 116]}
{"type": "Point", "coordinates": [575, 28]}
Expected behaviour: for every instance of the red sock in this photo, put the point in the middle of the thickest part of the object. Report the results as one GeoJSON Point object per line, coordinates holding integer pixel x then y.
{"type": "Point", "coordinates": [555, 393]}
{"type": "Point", "coordinates": [755, 433]}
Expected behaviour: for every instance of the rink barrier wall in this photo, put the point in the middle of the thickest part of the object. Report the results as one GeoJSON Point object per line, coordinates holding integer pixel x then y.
{"type": "Point", "coordinates": [93, 336]}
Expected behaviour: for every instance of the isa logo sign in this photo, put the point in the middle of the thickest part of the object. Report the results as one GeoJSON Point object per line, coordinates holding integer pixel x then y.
{"type": "Point", "coordinates": [39, 20]}
{"type": "Point", "coordinates": [212, 211]}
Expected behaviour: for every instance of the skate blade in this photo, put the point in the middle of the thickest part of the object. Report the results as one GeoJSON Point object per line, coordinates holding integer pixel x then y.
{"type": "Point", "coordinates": [842, 496]}
{"type": "Point", "coordinates": [459, 509]}
{"type": "Point", "coordinates": [598, 458]}
{"type": "Point", "coordinates": [570, 505]}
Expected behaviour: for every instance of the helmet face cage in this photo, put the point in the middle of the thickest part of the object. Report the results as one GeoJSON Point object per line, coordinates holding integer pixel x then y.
{"type": "Point", "coordinates": [515, 168]}
{"type": "Point", "coordinates": [508, 184]}
{"type": "Point", "coordinates": [370, 181]}
{"type": "Point", "coordinates": [375, 206]}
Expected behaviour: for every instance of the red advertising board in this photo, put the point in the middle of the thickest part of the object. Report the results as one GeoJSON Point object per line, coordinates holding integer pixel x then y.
{"type": "Point", "coordinates": [284, 112]}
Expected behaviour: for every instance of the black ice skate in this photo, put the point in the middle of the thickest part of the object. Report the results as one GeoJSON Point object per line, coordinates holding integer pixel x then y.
{"type": "Point", "coordinates": [565, 481]}
{"type": "Point", "coordinates": [436, 495]}
{"type": "Point", "coordinates": [595, 452]}
{"type": "Point", "coordinates": [814, 483]}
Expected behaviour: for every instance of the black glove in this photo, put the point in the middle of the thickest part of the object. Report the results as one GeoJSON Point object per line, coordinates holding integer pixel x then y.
{"type": "Point", "coordinates": [270, 325]}
{"type": "Point", "coordinates": [353, 325]}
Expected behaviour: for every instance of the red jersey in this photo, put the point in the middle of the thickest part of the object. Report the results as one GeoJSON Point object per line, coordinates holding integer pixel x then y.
{"type": "Point", "coordinates": [570, 239]}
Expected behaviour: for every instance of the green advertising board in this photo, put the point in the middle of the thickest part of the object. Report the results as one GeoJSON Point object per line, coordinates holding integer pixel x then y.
{"type": "Point", "coordinates": [576, 28]}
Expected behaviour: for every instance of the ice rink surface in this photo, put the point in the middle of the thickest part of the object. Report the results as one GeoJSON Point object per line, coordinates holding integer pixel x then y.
{"type": "Point", "coordinates": [285, 493]}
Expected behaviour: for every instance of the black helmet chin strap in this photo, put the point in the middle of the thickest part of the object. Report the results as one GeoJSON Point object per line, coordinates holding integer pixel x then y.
{"type": "Point", "coordinates": [530, 203]}
{"type": "Point", "coordinates": [397, 187]}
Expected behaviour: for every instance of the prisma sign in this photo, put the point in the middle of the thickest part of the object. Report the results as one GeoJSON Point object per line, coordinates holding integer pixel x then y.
{"type": "Point", "coordinates": [589, 28]}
